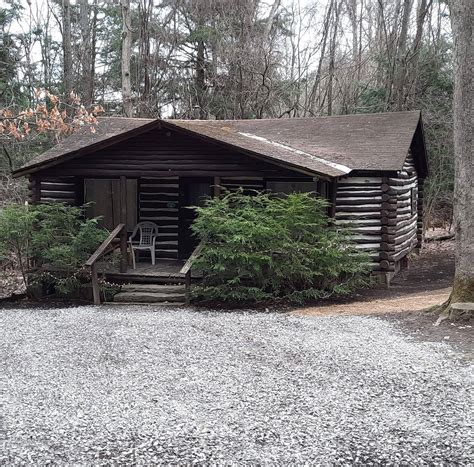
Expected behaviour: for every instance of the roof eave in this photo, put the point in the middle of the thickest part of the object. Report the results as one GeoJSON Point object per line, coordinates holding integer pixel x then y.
{"type": "Point", "coordinates": [421, 156]}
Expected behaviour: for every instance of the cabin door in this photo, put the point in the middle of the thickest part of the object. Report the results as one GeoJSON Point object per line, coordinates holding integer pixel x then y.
{"type": "Point", "coordinates": [192, 192]}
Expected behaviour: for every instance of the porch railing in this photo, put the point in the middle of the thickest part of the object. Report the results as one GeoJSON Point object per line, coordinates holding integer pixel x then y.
{"type": "Point", "coordinates": [106, 247]}
{"type": "Point", "coordinates": [186, 270]}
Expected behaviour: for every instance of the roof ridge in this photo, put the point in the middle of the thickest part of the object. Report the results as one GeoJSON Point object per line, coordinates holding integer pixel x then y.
{"type": "Point", "coordinates": [289, 119]}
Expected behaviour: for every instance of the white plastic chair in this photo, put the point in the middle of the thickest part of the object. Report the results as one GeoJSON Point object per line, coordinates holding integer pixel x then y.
{"type": "Point", "coordinates": [146, 241]}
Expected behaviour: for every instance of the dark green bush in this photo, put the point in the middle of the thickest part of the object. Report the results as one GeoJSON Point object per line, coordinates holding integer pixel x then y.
{"type": "Point", "coordinates": [268, 247]}
{"type": "Point", "coordinates": [49, 236]}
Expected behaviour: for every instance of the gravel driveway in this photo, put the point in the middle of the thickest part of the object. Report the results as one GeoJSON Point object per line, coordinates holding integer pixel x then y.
{"type": "Point", "coordinates": [134, 386]}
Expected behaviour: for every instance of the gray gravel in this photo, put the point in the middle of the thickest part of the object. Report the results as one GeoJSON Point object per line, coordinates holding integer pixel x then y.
{"type": "Point", "coordinates": [134, 386]}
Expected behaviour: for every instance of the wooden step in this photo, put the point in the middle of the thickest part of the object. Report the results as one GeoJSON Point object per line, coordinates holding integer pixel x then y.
{"type": "Point", "coordinates": [151, 293]}
{"type": "Point", "coordinates": [148, 297]}
{"type": "Point", "coordinates": [152, 288]}
{"type": "Point", "coordinates": [137, 279]}
{"type": "Point", "coordinates": [167, 304]}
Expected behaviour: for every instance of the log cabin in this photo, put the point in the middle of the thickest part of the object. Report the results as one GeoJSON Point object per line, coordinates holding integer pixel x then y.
{"type": "Point", "coordinates": [371, 168]}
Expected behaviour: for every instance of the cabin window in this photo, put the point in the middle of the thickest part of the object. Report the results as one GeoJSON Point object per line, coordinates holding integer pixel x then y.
{"type": "Point", "coordinates": [104, 196]}
{"type": "Point", "coordinates": [290, 187]}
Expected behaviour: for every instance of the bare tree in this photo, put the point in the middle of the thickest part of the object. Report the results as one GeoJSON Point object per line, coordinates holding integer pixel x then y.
{"type": "Point", "coordinates": [324, 39]}
{"type": "Point", "coordinates": [400, 62]}
{"type": "Point", "coordinates": [87, 54]}
{"type": "Point", "coordinates": [332, 57]}
{"type": "Point", "coordinates": [126, 57]}
{"type": "Point", "coordinates": [67, 48]}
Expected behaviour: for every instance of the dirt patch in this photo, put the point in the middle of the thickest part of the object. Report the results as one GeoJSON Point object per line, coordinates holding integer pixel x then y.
{"type": "Point", "coordinates": [426, 283]}
{"type": "Point", "coordinates": [421, 326]}
{"type": "Point", "coordinates": [11, 283]}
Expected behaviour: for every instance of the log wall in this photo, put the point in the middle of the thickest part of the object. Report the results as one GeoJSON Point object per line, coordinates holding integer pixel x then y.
{"type": "Point", "coordinates": [49, 189]}
{"type": "Point", "coordinates": [384, 214]}
{"type": "Point", "coordinates": [358, 206]}
{"type": "Point", "coordinates": [158, 202]}
{"type": "Point", "coordinates": [405, 186]}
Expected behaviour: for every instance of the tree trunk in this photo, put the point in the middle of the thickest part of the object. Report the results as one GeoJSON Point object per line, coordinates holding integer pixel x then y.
{"type": "Point", "coordinates": [126, 56]}
{"type": "Point", "coordinates": [423, 7]}
{"type": "Point", "coordinates": [317, 78]}
{"type": "Point", "coordinates": [462, 21]}
{"type": "Point", "coordinates": [400, 64]}
{"type": "Point", "coordinates": [200, 81]}
{"type": "Point", "coordinates": [332, 58]}
{"type": "Point", "coordinates": [67, 49]}
{"type": "Point", "coordinates": [86, 54]}
{"type": "Point", "coordinates": [271, 17]}
{"type": "Point", "coordinates": [144, 64]}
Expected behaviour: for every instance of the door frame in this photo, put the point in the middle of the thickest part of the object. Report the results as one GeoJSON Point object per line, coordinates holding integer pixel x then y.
{"type": "Point", "coordinates": [183, 227]}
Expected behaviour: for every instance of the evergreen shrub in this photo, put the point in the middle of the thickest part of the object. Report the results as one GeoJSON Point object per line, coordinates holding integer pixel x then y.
{"type": "Point", "coordinates": [49, 237]}
{"type": "Point", "coordinates": [267, 247]}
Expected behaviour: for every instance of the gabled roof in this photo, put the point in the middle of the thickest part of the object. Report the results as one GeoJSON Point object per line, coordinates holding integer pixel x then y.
{"type": "Point", "coordinates": [331, 146]}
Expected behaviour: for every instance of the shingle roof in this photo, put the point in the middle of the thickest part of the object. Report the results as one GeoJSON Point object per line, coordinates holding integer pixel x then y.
{"type": "Point", "coordinates": [332, 146]}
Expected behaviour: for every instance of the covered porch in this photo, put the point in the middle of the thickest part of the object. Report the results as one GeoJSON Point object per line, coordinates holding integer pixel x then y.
{"type": "Point", "coordinates": [169, 204]}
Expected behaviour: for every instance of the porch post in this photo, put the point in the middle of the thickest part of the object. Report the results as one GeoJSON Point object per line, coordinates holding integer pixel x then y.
{"type": "Point", "coordinates": [217, 187]}
{"type": "Point", "coordinates": [123, 220]}
{"type": "Point", "coordinates": [317, 186]}
{"type": "Point", "coordinates": [333, 195]}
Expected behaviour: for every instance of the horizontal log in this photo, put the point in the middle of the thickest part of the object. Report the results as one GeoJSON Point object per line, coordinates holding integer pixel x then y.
{"type": "Point", "coordinates": [394, 182]}
{"type": "Point", "coordinates": [376, 230]}
{"type": "Point", "coordinates": [57, 185]}
{"type": "Point", "coordinates": [62, 179]}
{"type": "Point", "coordinates": [358, 190]}
{"type": "Point", "coordinates": [365, 239]}
{"type": "Point", "coordinates": [406, 225]}
{"type": "Point", "coordinates": [403, 253]}
{"type": "Point", "coordinates": [404, 216]}
{"type": "Point", "coordinates": [158, 214]}
{"type": "Point", "coordinates": [404, 204]}
{"type": "Point", "coordinates": [57, 194]}
{"type": "Point", "coordinates": [402, 238]}
{"type": "Point", "coordinates": [165, 229]}
{"type": "Point", "coordinates": [56, 200]}
{"type": "Point", "coordinates": [169, 223]}
{"type": "Point", "coordinates": [358, 201]}
{"type": "Point", "coordinates": [367, 247]}
{"type": "Point", "coordinates": [356, 209]}
{"type": "Point", "coordinates": [404, 174]}
{"type": "Point", "coordinates": [359, 180]}
{"type": "Point", "coordinates": [410, 242]}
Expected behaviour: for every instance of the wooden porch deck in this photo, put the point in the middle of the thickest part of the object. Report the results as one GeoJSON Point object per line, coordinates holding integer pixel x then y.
{"type": "Point", "coordinates": [164, 270]}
